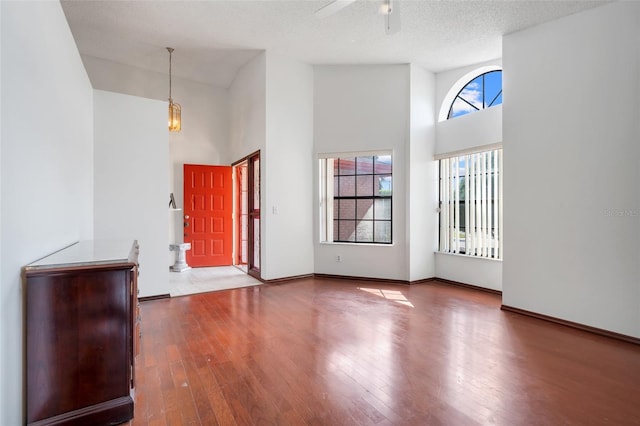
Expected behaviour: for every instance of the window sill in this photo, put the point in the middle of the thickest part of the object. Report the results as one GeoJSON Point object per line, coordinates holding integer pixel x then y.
{"type": "Point", "coordinates": [332, 243]}
{"type": "Point", "coordinates": [468, 257]}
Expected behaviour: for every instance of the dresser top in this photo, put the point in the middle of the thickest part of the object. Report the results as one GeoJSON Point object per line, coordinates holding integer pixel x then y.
{"type": "Point", "coordinates": [88, 253]}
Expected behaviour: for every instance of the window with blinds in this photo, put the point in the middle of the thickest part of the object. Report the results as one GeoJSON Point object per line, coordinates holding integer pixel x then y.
{"type": "Point", "coordinates": [471, 204]}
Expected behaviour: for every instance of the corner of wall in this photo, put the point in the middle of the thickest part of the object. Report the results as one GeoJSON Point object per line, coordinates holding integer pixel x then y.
{"type": "Point", "coordinates": [289, 147]}
{"type": "Point", "coordinates": [421, 177]}
{"type": "Point", "coordinates": [47, 204]}
{"type": "Point", "coordinates": [575, 256]}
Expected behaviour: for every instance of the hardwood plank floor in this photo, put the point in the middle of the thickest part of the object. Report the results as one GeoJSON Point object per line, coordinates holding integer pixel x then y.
{"type": "Point", "coordinates": [335, 352]}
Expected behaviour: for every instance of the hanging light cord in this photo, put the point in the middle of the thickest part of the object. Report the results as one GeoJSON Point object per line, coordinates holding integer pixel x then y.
{"type": "Point", "coordinates": [170, 49]}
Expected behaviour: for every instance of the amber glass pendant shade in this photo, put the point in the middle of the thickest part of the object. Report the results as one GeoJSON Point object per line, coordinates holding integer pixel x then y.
{"type": "Point", "coordinates": [175, 119]}
{"type": "Point", "coordinates": [175, 110]}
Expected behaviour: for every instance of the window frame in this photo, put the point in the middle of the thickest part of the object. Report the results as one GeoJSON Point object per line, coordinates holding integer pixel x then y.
{"type": "Point", "coordinates": [483, 216]}
{"type": "Point", "coordinates": [328, 219]}
{"type": "Point", "coordinates": [484, 104]}
{"type": "Point", "coordinates": [459, 84]}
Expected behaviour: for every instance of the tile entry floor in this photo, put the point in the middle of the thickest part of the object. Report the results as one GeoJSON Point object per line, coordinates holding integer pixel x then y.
{"type": "Point", "coordinates": [201, 280]}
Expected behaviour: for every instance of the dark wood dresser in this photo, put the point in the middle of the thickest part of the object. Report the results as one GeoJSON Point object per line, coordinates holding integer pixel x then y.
{"type": "Point", "coordinates": [82, 326]}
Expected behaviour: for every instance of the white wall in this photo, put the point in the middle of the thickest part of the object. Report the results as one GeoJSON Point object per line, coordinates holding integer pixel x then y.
{"type": "Point", "coordinates": [422, 177]}
{"type": "Point", "coordinates": [205, 130]}
{"type": "Point", "coordinates": [469, 131]}
{"type": "Point", "coordinates": [46, 171]}
{"type": "Point", "coordinates": [462, 133]}
{"type": "Point", "coordinates": [572, 157]}
{"type": "Point", "coordinates": [284, 88]}
{"type": "Point", "coordinates": [360, 108]}
{"type": "Point", "coordinates": [247, 121]}
{"type": "Point", "coordinates": [287, 215]}
{"type": "Point", "coordinates": [131, 200]}
{"type": "Point", "coordinates": [472, 270]}
{"type": "Point", "coordinates": [247, 110]}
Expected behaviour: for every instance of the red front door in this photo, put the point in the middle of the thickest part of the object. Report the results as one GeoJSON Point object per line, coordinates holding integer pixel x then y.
{"type": "Point", "coordinates": [208, 209]}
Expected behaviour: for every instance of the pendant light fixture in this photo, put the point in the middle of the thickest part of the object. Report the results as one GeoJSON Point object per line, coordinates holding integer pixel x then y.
{"type": "Point", "coordinates": [175, 111]}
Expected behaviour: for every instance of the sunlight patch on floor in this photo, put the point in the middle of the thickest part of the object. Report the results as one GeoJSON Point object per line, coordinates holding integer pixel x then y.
{"type": "Point", "coordinates": [394, 295]}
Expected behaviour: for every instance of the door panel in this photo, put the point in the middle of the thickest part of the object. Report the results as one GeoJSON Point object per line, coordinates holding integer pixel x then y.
{"type": "Point", "coordinates": [242, 213]}
{"type": "Point", "coordinates": [254, 214]}
{"type": "Point", "coordinates": [208, 209]}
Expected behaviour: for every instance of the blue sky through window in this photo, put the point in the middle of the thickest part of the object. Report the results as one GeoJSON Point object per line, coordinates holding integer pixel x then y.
{"type": "Point", "coordinates": [482, 92]}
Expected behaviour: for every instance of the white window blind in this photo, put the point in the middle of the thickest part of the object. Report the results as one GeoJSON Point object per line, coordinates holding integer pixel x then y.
{"type": "Point", "coordinates": [471, 204]}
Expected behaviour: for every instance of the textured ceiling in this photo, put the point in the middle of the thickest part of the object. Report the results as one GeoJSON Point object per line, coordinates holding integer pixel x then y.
{"type": "Point", "coordinates": [213, 38]}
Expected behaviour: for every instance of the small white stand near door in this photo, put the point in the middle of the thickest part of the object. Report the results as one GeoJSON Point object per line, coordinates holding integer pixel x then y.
{"type": "Point", "coordinates": [181, 260]}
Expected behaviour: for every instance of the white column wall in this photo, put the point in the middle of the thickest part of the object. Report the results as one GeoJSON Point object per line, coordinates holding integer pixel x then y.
{"type": "Point", "coordinates": [422, 177]}
{"type": "Point", "coordinates": [287, 213]}
{"type": "Point", "coordinates": [360, 108]}
{"type": "Point", "coordinates": [46, 168]}
{"type": "Point", "coordinates": [572, 157]}
{"type": "Point", "coordinates": [131, 175]}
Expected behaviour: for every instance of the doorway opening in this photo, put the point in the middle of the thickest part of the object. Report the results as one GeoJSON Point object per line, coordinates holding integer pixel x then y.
{"type": "Point", "coordinates": [241, 241]}
{"type": "Point", "coordinates": [247, 214]}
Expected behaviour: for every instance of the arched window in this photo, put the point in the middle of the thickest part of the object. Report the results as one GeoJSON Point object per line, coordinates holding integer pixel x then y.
{"type": "Point", "coordinates": [482, 92]}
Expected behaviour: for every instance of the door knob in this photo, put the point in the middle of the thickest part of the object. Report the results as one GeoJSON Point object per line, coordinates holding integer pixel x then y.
{"type": "Point", "coordinates": [186, 216]}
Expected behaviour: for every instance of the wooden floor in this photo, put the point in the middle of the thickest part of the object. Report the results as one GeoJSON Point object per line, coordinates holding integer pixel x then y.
{"type": "Point", "coordinates": [334, 352]}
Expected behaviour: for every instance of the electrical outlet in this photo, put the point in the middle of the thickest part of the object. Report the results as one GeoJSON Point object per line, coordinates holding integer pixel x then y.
{"type": "Point", "coordinates": [338, 258]}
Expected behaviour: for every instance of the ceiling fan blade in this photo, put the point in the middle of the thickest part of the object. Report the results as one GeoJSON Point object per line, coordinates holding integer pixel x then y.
{"type": "Point", "coordinates": [332, 8]}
